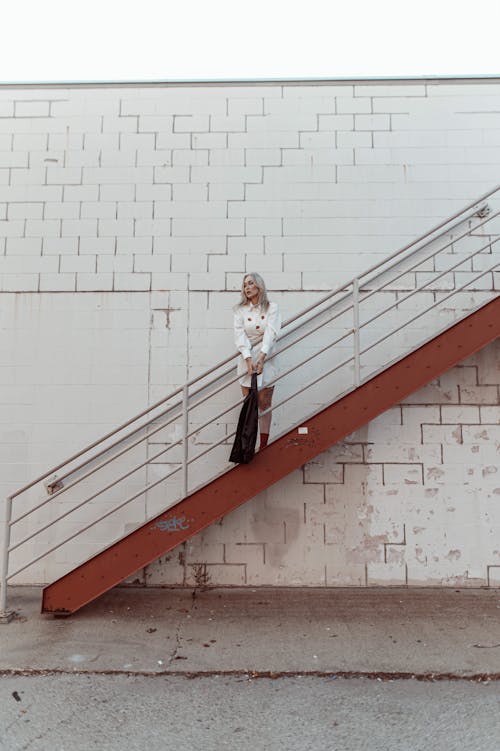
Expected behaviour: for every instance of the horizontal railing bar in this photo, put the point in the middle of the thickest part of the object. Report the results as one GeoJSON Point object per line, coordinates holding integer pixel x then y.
{"type": "Point", "coordinates": [275, 380]}
{"type": "Point", "coordinates": [391, 257]}
{"type": "Point", "coordinates": [198, 378]}
{"type": "Point", "coordinates": [274, 406]}
{"type": "Point", "coordinates": [284, 401]}
{"type": "Point", "coordinates": [93, 523]}
{"type": "Point", "coordinates": [419, 263]}
{"type": "Point", "coordinates": [372, 374]}
{"type": "Point", "coordinates": [92, 497]}
{"type": "Point", "coordinates": [93, 445]}
{"type": "Point", "coordinates": [190, 434]}
{"type": "Point", "coordinates": [430, 307]}
{"type": "Point", "coordinates": [427, 283]}
{"type": "Point", "coordinates": [282, 349]}
{"type": "Point", "coordinates": [462, 213]}
{"type": "Point", "coordinates": [282, 375]}
{"type": "Point", "coordinates": [313, 383]}
{"type": "Point", "coordinates": [470, 210]}
{"type": "Point", "coordinates": [144, 426]}
{"type": "Point", "coordinates": [214, 393]}
{"type": "Point", "coordinates": [213, 419]}
{"type": "Point", "coordinates": [90, 473]}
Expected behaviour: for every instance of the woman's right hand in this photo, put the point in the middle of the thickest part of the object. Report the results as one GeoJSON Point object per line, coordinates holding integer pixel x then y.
{"type": "Point", "coordinates": [250, 366]}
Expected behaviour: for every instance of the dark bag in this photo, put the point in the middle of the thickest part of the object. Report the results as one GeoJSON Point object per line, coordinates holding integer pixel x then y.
{"type": "Point", "coordinates": [246, 432]}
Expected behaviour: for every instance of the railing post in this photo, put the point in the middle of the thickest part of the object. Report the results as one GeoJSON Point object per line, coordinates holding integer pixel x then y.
{"type": "Point", "coordinates": [185, 431]}
{"type": "Point", "coordinates": [5, 615]}
{"type": "Point", "coordinates": [355, 313]}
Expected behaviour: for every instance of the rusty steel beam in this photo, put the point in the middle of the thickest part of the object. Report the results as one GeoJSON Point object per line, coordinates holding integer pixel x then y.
{"type": "Point", "coordinates": [227, 492]}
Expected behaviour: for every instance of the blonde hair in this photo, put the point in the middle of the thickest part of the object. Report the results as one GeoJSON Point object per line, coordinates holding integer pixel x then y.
{"type": "Point", "coordinates": [261, 285]}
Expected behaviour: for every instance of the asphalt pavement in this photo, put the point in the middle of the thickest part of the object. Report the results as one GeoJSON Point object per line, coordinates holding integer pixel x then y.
{"type": "Point", "coordinates": [304, 713]}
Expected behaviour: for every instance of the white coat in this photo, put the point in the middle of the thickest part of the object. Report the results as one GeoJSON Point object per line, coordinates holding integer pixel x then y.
{"type": "Point", "coordinates": [256, 331]}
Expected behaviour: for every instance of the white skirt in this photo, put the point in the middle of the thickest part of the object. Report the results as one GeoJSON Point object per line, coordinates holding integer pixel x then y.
{"type": "Point", "coordinates": [269, 371]}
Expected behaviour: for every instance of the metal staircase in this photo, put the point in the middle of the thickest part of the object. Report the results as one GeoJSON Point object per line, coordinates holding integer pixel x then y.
{"type": "Point", "coordinates": [343, 360]}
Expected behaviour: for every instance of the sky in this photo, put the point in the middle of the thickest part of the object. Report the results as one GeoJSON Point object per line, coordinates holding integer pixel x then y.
{"type": "Point", "coordinates": [166, 40]}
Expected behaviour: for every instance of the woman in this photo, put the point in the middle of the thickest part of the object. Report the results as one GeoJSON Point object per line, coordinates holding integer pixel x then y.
{"type": "Point", "coordinates": [256, 326]}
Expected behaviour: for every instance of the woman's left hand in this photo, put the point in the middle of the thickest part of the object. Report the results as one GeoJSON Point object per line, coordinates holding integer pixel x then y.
{"type": "Point", "coordinates": [259, 364]}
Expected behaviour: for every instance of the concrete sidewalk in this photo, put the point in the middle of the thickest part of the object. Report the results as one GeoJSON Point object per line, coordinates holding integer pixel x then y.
{"type": "Point", "coordinates": [453, 632]}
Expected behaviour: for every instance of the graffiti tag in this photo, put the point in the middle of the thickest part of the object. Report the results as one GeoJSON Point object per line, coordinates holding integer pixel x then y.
{"type": "Point", "coordinates": [173, 525]}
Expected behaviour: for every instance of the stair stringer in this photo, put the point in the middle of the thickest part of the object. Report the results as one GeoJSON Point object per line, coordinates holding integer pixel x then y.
{"type": "Point", "coordinates": [211, 502]}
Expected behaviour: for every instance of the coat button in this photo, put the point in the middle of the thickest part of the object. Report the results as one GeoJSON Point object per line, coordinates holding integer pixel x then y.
{"type": "Point", "coordinates": [262, 317]}
{"type": "Point", "coordinates": [257, 327]}
{"type": "Point", "coordinates": [249, 319]}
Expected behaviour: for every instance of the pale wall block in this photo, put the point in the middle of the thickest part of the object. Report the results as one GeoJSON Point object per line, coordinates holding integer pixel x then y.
{"type": "Point", "coordinates": [169, 281]}
{"type": "Point", "coordinates": [78, 264]}
{"type": "Point", "coordinates": [264, 140]}
{"type": "Point", "coordinates": [293, 106]}
{"type": "Point", "coordinates": [156, 124]}
{"type": "Point", "coordinates": [57, 282]}
{"type": "Point", "coordinates": [31, 109]}
{"type": "Point", "coordinates": [250, 106]}
{"type": "Point", "coordinates": [179, 174]}
{"type": "Point", "coordinates": [79, 227]}
{"type": "Point", "coordinates": [62, 245]}
{"type": "Point", "coordinates": [335, 122]}
{"type": "Point", "coordinates": [278, 123]}
{"type": "Point", "coordinates": [37, 264]}
{"type": "Point", "coordinates": [109, 264]}
{"type": "Point", "coordinates": [64, 176]}
{"type": "Point", "coordinates": [190, 157]}
{"type": "Point", "coordinates": [191, 123]}
{"type": "Point", "coordinates": [117, 158]}
{"type": "Point", "coordinates": [98, 210]}
{"type": "Point", "coordinates": [80, 193]}
{"type": "Point", "coordinates": [135, 281]}
{"type": "Point", "coordinates": [94, 244]}
{"type": "Point", "coordinates": [112, 124]}
{"type": "Point", "coordinates": [19, 282]}
{"type": "Point", "coordinates": [207, 226]}
{"type": "Point", "coordinates": [13, 159]}
{"type": "Point", "coordinates": [227, 124]}
{"type": "Point", "coordinates": [62, 210]}
{"type": "Point", "coordinates": [23, 246]}
{"type": "Point", "coordinates": [489, 415]}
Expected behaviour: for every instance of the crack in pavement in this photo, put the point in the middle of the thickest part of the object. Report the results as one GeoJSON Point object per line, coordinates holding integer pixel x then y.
{"type": "Point", "coordinates": [174, 655]}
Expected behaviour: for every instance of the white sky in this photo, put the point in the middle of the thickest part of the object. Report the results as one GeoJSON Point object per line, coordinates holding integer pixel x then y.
{"type": "Point", "coordinates": [103, 40]}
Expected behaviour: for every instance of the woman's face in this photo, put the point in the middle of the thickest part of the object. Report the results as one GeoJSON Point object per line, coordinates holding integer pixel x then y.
{"type": "Point", "coordinates": [250, 288]}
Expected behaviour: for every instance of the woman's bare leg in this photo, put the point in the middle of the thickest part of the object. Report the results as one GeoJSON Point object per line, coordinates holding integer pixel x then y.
{"type": "Point", "coordinates": [265, 399]}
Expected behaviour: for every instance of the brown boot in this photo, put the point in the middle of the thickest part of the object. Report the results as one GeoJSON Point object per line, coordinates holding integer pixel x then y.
{"type": "Point", "coordinates": [264, 437]}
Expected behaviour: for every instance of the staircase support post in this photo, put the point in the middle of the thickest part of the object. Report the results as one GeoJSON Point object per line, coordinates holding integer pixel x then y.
{"type": "Point", "coordinates": [5, 615]}
{"type": "Point", "coordinates": [185, 431]}
{"type": "Point", "coordinates": [355, 331]}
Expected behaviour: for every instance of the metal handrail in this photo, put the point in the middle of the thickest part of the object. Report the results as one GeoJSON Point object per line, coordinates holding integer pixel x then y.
{"type": "Point", "coordinates": [224, 440]}
{"type": "Point", "coordinates": [475, 209]}
{"type": "Point", "coordinates": [468, 210]}
{"type": "Point", "coordinates": [279, 377]}
{"type": "Point", "coordinates": [213, 393]}
{"type": "Point", "coordinates": [431, 255]}
{"type": "Point", "coordinates": [429, 282]}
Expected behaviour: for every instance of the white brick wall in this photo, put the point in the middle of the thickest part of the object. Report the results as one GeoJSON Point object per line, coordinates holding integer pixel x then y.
{"type": "Point", "coordinates": [152, 199]}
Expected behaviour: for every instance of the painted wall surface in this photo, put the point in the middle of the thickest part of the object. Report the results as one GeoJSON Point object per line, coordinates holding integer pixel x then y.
{"type": "Point", "coordinates": [127, 217]}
